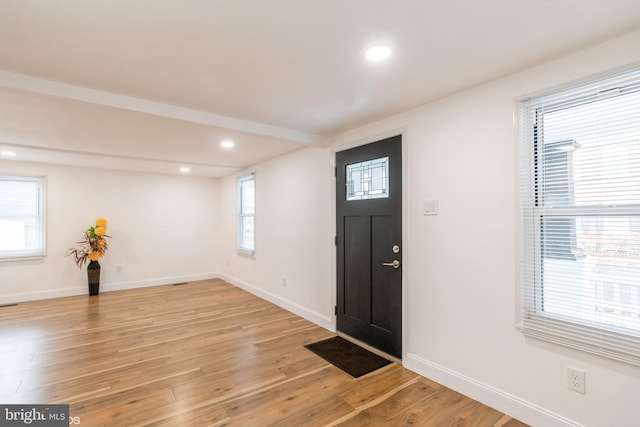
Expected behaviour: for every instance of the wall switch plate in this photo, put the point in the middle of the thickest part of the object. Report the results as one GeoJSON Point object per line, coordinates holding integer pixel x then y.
{"type": "Point", "coordinates": [430, 207]}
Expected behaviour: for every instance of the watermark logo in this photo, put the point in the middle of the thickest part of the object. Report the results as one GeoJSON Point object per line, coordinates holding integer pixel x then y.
{"type": "Point", "coordinates": [34, 415]}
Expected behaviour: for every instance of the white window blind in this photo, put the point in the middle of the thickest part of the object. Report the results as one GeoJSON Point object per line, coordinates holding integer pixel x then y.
{"type": "Point", "coordinates": [21, 217]}
{"type": "Point", "coordinates": [246, 214]}
{"type": "Point", "coordinates": [580, 193]}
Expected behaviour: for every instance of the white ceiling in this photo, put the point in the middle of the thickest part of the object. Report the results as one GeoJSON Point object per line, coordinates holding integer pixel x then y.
{"type": "Point", "coordinates": [152, 85]}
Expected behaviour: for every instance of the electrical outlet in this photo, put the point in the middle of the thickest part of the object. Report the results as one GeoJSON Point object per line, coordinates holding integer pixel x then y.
{"type": "Point", "coordinates": [284, 282]}
{"type": "Point", "coordinates": [575, 379]}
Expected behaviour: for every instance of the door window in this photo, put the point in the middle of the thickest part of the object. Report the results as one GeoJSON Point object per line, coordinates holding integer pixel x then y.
{"type": "Point", "coordinates": [368, 179]}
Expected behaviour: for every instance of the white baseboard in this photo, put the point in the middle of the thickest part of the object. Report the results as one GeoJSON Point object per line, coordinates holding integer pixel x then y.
{"type": "Point", "coordinates": [104, 287]}
{"type": "Point", "coordinates": [119, 286]}
{"type": "Point", "coordinates": [312, 316]}
{"type": "Point", "coordinates": [38, 295]}
{"type": "Point", "coordinates": [504, 402]}
{"type": "Point", "coordinates": [514, 406]}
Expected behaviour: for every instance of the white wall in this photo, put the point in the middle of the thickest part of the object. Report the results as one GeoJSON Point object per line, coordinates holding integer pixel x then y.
{"type": "Point", "coordinates": [293, 234]}
{"type": "Point", "coordinates": [163, 227]}
{"type": "Point", "coordinates": [460, 267]}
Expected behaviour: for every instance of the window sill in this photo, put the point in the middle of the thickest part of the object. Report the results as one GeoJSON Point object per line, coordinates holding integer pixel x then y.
{"type": "Point", "coordinates": [22, 258]}
{"type": "Point", "coordinates": [247, 253]}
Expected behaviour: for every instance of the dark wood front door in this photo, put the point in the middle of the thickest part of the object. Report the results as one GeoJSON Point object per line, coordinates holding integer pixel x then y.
{"type": "Point", "coordinates": [369, 244]}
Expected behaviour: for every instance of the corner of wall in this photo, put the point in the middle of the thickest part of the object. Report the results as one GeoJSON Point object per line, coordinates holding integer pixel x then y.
{"type": "Point", "coordinates": [312, 316]}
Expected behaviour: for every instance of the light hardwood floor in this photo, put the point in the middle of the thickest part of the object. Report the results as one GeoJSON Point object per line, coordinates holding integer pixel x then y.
{"type": "Point", "coordinates": [204, 354]}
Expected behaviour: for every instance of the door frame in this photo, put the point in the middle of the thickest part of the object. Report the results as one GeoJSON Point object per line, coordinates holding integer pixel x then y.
{"type": "Point", "coordinates": [402, 131]}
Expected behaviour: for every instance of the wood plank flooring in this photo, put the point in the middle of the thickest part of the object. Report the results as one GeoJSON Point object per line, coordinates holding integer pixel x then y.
{"type": "Point", "coordinates": [204, 354]}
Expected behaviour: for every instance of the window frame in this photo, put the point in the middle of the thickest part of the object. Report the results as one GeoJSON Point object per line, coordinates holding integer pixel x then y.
{"type": "Point", "coordinates": [241, 247]}
{"type": "Point", "coordinates": [40, 251]}
{"type": "Point", "coordinates": [590, 336]}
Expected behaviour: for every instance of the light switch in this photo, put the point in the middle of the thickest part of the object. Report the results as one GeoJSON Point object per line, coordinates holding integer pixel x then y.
{"type": "Point", "coordinates": [430, 207]}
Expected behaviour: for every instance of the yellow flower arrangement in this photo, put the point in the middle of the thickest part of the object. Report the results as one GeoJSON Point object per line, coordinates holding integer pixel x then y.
{"type": "Point", "coordinates": [94, 245]}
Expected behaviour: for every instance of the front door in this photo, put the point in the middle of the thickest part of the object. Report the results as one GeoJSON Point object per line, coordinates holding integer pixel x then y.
{"type": "Point", "coordinates": [369, 244]}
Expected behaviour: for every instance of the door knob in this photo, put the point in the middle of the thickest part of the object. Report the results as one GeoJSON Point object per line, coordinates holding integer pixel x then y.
{"type": "Point", "coordinates": [394, 264]}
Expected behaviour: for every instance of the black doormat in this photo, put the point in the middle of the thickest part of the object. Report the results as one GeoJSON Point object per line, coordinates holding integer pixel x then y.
{"type": "Point", "coordinates": [351, 358]}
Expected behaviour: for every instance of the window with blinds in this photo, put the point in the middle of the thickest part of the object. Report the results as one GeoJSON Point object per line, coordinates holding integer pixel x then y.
{"type": "Point", "coordinates": [21, 217]}
{"type": "Point", "coordinates": [580, 193]}
{"type": "Point", "coordinates": [246, 214]}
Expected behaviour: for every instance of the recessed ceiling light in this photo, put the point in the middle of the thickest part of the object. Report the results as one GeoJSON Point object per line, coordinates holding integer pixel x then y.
{"type": "Point", "coordinates": [227, 143]}
{"type": "Point", "coordinates": [378, 53]}
{"type": "Point", "coordinates": [8, 153]}
{"type": "Point", "coordinates": [185, 169]}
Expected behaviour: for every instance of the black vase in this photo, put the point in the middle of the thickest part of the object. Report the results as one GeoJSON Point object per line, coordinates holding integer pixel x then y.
{"type": "Point", "coordinates": [93, 273]}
